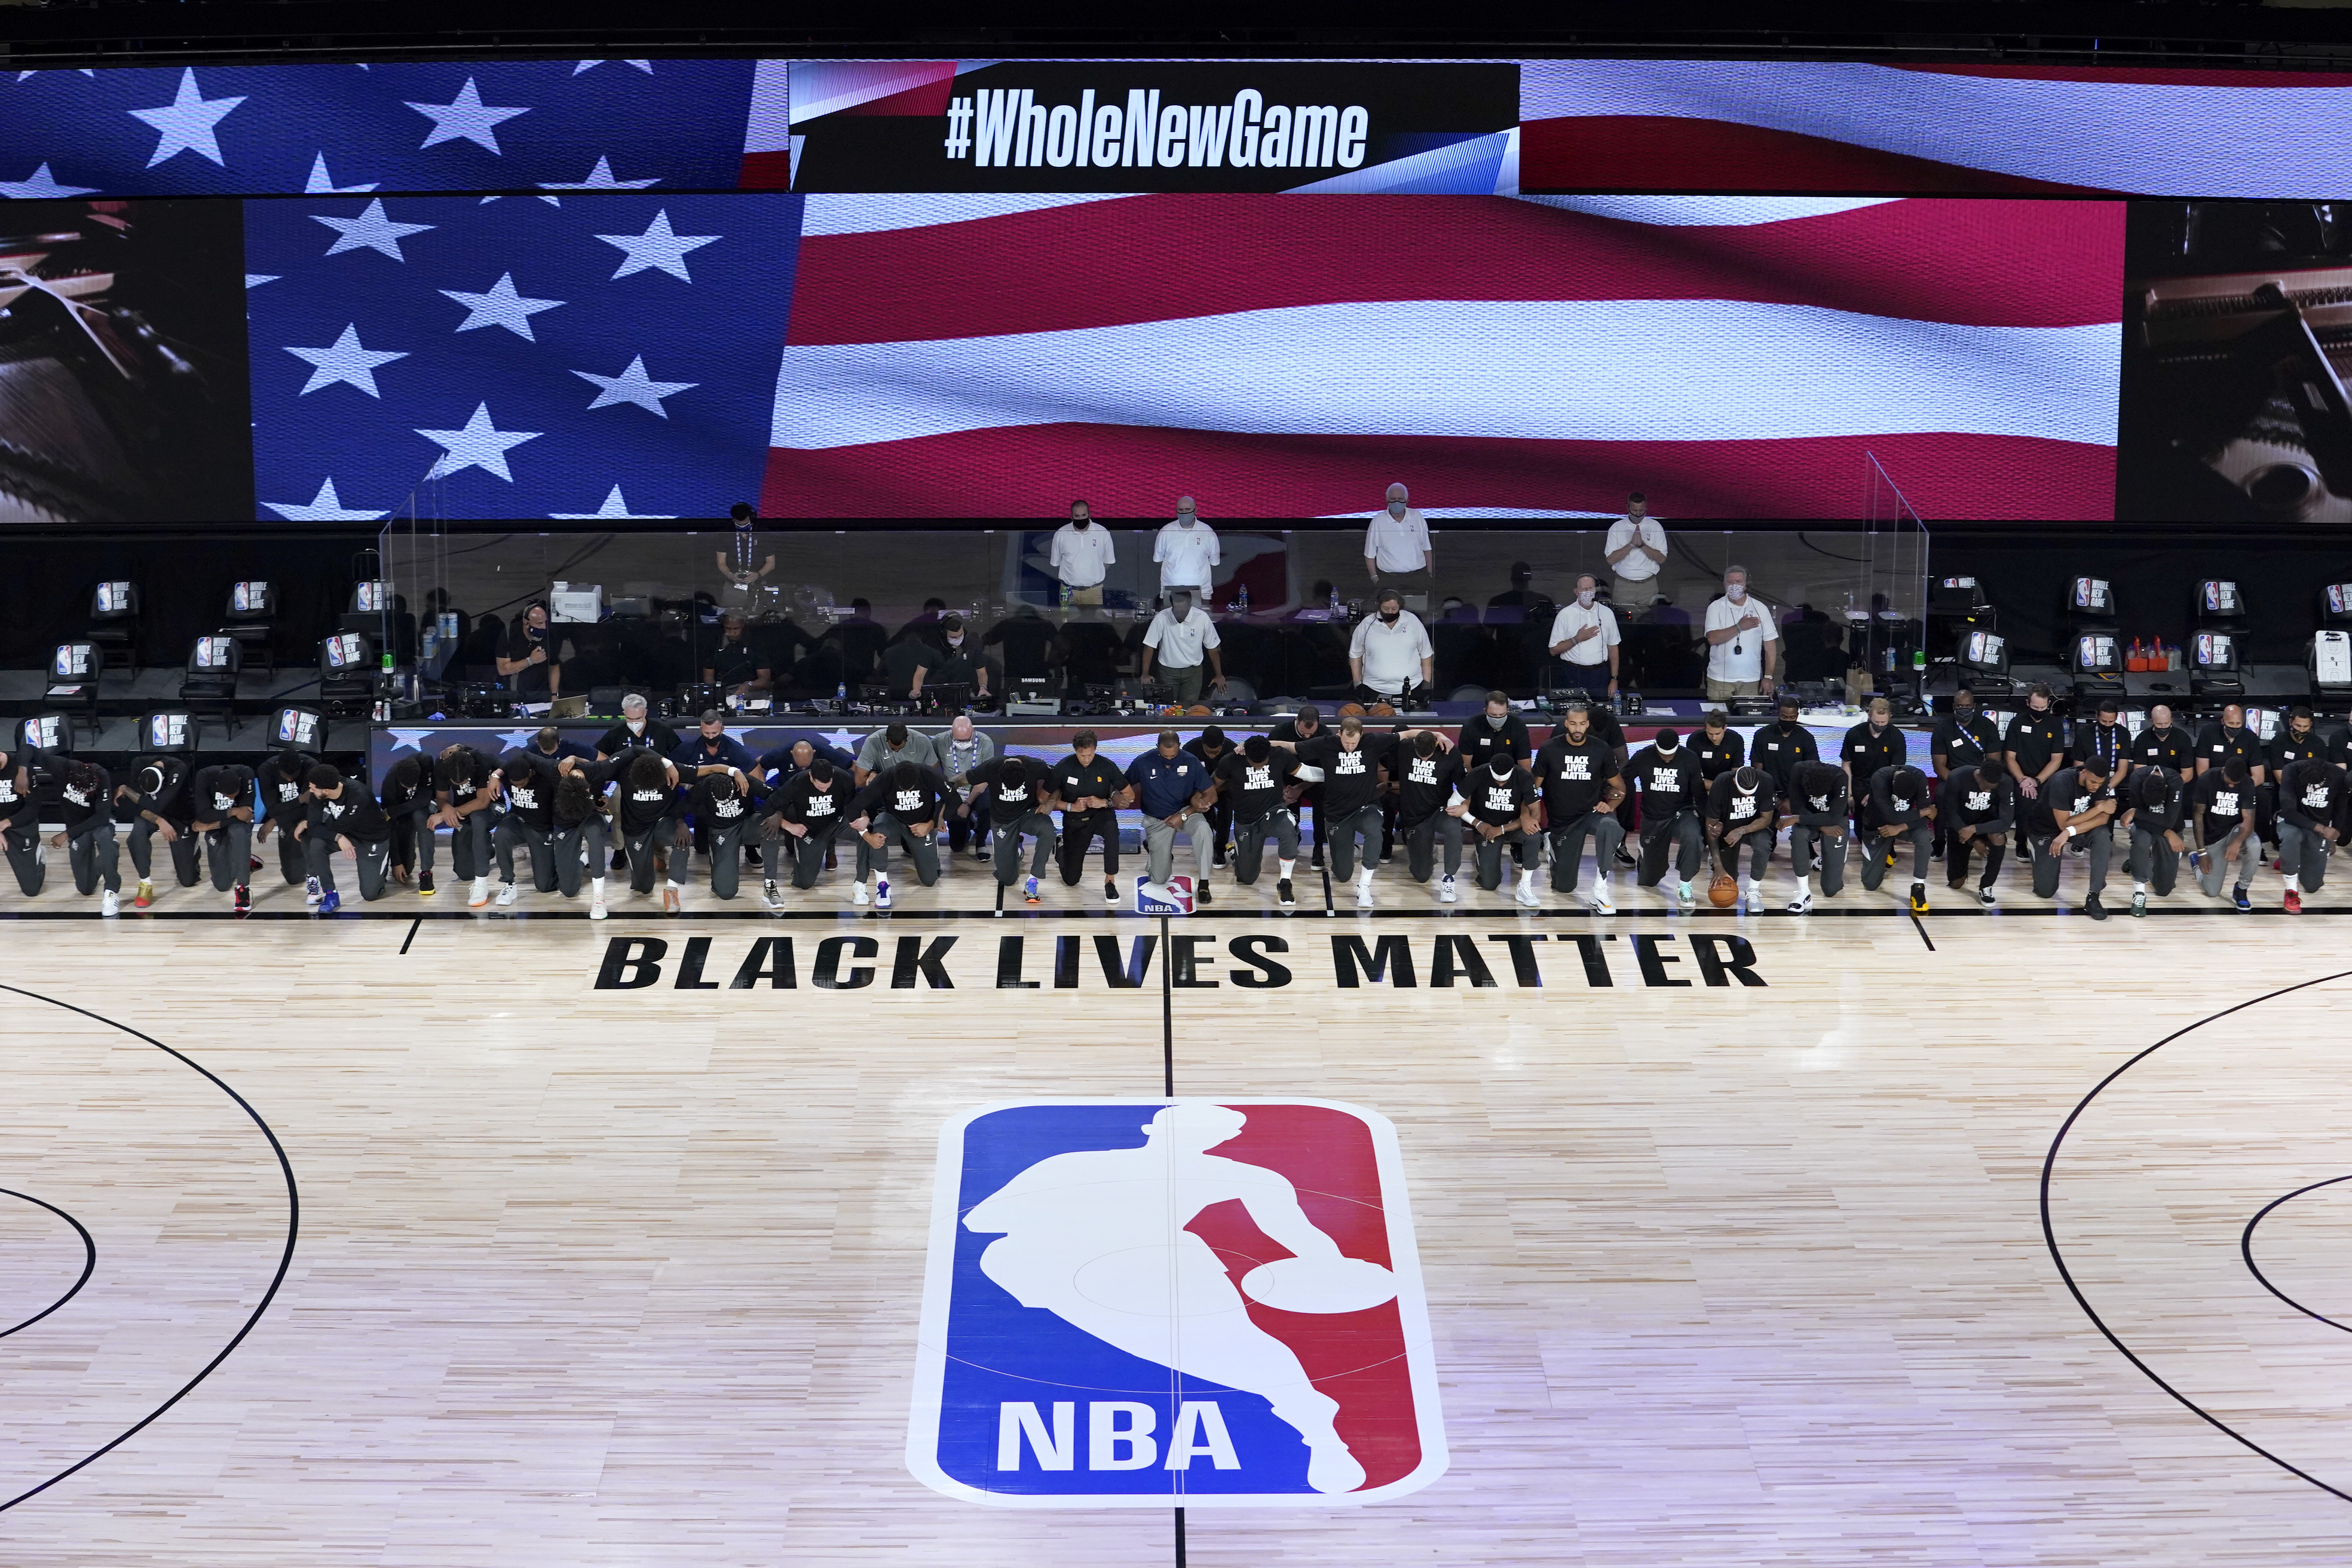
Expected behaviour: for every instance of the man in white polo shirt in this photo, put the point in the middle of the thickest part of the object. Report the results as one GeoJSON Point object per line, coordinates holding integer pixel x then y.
{"type": "Point", "coordinates": [1740, 637]}
{"type": "Point", "coordinates": [1397, 554]}
{"type": "Point", "coordinates": [1636, 547]}
{"type": "Point", "coordinates": [1188, 555]}
{"type": "Point", "coordinates": [1584, 639]}
{"type": "Point", "coordinates": [1081, 557]}
{"type": "Point", "coordinates": [1390, 656]}
{"type": "Point", "coordinates": [1177, 637]}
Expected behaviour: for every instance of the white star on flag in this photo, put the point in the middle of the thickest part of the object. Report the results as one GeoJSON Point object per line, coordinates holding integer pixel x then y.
{"type": "Point", "coordinates": [464, 117]}
{"type": "Point", "coordinates": [39, 185]}
{"type": "Point", "coordinates": [371, 230]}
{"type": "Point", "coordinates": [324, 507]}
{"type": "Point", "coordinates": [501, 307]}
{"type": "Point", "coordinates": [186, 122]}
{"type": "Point", "coordinates": [480, 444]}
{"type": "Point", "coordinates": [632, 385]}
{"type": "Point", "coordinates": [644, 66]}
{"type": "Point", "coordinates": [600, 178]}
{"type": "Point", "coordinates": [256, 280]}
{"type": "Point", "coordinates": [344, 361]}
{"type": "Point", "coordinates": [515, 740]}
{"type": "Point", "coordinates": [613, 507]}
{"type": "Point", "coordinates": [657, 246]}
{"type": "Point", "coordinates": [408, 740]}
{"type": "Point", "coordinates": [846, 739]}
{"type": "Point", "coordinates": [321, 184]}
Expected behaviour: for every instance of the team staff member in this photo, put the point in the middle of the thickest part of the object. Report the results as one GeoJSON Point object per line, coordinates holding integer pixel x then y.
{"type": "Point", "coordinates": [1898, 806]}
{"type": "Point", "coordinates": [527, 661]}
{"type": "Point", "coordinates": [1079, 557]}
{"type": "Point", "coordinates": [1015, 795]}
{"type": "Point", "coordinates": [960, 751]}
{"type": "Point", "coordinates": [1979, 807]}
{"type": "Point", "coordinates": [1180, 638]}
{"type": "Point", "coordinates": [1585, 641]}
{"type": "Point", "coordinates": [2218, 742]}
{"type": "Point", "coordinates": [904, 808]}
{"type": "Point", "coordinates": [636, 732]}
{"type": "Point", "coordinates": [528, 819]}
{"type": "Point", "coordinates": [1783, 746]}
{"type": "Point", "coordinates": [158, 792]}
{"type": "Point", "coordinates": [1668, 777]}
{"type": "Point", "coordinates": [1716, 746]}
{"type": "Point", "coordinates": [1256, 782]}
{"type": "Point", "coordinates": [1350, 761]}
{"type": "Point", "coordinates": [2310, 809]}
{"type": "Point", "coordinates": [2036, 749]}
{"type": "Point", "coordinates": [86, 805]}
{"type": "Point", "coordinates": [1741, 642]}
{"type": "Point", "coordinates": [1174, 791]}
{"type": "Point", "coordinates": [1088, 786]}
{"type": "Point", "coordinates": [1503, 814]}
{"type": "Point", "coordinates": [1397, 551]}
{"type": "Point", "coordinates": [1740, 821]}
{"type": "Point", "coordinates": [220, 802]}
{"type": "Point", "coordinates": [466, 786]}
{"type": "Point", "coordinates": [1432, 788]}
{"type": "Point", "coordinates": [2108, 742]}
{"type": "Point", "coordinates": [1495, 728]}
{"type": "Point", "coordinates": [2222, 813]}
{"type": "Point", "coordinates": [2161, 745]}
{"type": "Point", "coordinates": [1390, 657]}
{"type": "Point", "coordinates": [724, 802]}
{"type": "Point", "coordinates": [1963, 740]}
{"type": "Point", "coordinates": [1816, 818]}
{"type": "Point", "coordinates": [1582, 784]}
{"type": "Point", "coordinates": [1872, 744]}
{"type": "Point", "coordinates": [20, 826]}
{"type": "Point", "coordinates": [341, 812]}
{"type": "Point", "coordinates": [2157, 801]}
{"type": "Point", "coordinates": [407, 800]}
{"type": "Point", "coordinates": [1212, 746]}
{"type": "Point", "coordinates": [284, 805]}
{"type": "Point", "coordinates": [805, 816]}
{"type": "Point", "coordinates": [2075, 805]}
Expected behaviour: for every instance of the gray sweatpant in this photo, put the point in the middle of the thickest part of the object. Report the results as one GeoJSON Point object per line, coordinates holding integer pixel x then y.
{"type": "Point", "coordinates": [593, 831]}
{"type": "Point", "coordinates": [1160, 846]}
{"type": "Point", "coordinates": [2049, 853]}
{"type": "Point", "coordinates": [1756, 848]}
{"type": "Point", "coordinates": [24, 850]}
{"type": "Point", "coordinates": [539, 843]}
{"type": "Point", "coordinates": [1920, 836]}
{"type": "Point", "coordinates": [183, 852]}
{"type": "Point", "coordinates": [1362, 826]}
{"type": "Point", "coordinates": [1808, 844]}
{"type": "Point", "coordinates": [921, 848]}
{"type": "Point", "coordinates": [1281, 825]}
{"type": "Point", "coordinates": [95, 856]}
{"type": "Point", "coordinates": [1007, 838]}
{"type": "Point", "coordinates": [1422, 841]}
{"type": "Point", "coordinates": [1568, 847]}
{"type": "Point", "coordinates": [228, 849]}
{"type": "Point", "coordinates": [2153, 860]}
{"type": "Point", "coordinates": [2240, 871]}
{"type": "Point", "coordinates": [2303, 855]}
{"type": "Point", "coordinates": [374, 856]}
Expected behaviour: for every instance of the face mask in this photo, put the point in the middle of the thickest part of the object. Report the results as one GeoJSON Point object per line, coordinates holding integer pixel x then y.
{"type": "Point", "coordinates": [1963, 714]}
{"type": "Point", "coordinates": [1387, 617]}
{"type": "Point", "coordinates": [956, 641]}
{"type": "Point", "coordinates": [1735, 591]}
{"type": "Point", "coordinates": [636, 726]}
{"type": "Point", "coordinates": [1185, 518]}
{"type": "Point", "coordinates": [1584, 598]}
{"type": "Point", "coordinates": [1498, 719]}
{"type": "Point", "coordinates": [1396, 510]}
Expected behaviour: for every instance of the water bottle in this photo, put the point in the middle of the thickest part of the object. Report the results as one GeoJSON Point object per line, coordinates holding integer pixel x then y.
{"type": "Point", "coordinates": [1241, 600]}
{"type": "Point", "coordinates": [841, 691]}
{"type": "Point", "coordinates": [1335, 598]}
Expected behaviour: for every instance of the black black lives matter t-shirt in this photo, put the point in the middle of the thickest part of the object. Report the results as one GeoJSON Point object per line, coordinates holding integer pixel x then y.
{"type": "Point", "coordinates": [1498, 802]}
{"type": "Point", "coordinates": [219, 789]}
{"type": "Point", "coordinates": [1097, 780]}
{"type": "Point", "coordinates": [1735, 808]}
{"type": "Point", "coordinates": [2067, 790]}
{"type": "Point", "coordinates": [1897, 796]}
{"type": "Point", "coordinates": [1573, 774]}
{"type": "Point", "coordinates": [637, 810]}
{"type": "Point", "coordinates": [406, 783]}
{"type": "Point", "coordinates": [1254, 788]}
{"type": "Point", "coordinates": [529, 783]}
{"type": "Point", "coordinates": [2311, 794]}
{"type": "Point", "coordinates": [1349, 778]}
{"type": "Point", "coordinates": [1817, 795]}
{"type": "Point", "coordinates": [1969, 802]}
{"type": "Point", "coordinates": [814, 805]}
{"type": "Point", "coordinates": [920, 804]}
{"type": "Point", "coordinates": [719, 804]}
{"type": "Point", "coordinates": [281, 797]}
{"type": "Point", "coordinates": [2158, 800]}
{"type": "Point", "coordinates": [1716, 757]}
{"type": "Point", "coordinates": [2221, 803]}
{"type": "Point", "coordinates": [1006, 801]}
{"type": "Point", "coordinates": [1669, 783]}
{"type": "Point", "coordinates": [352, 815]}
{"type": "Point", "coordinates": [1425, 785]}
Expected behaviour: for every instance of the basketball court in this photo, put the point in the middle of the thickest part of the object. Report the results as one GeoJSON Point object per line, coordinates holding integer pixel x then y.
{"type": "Point", "coordinates": [513, 1240]}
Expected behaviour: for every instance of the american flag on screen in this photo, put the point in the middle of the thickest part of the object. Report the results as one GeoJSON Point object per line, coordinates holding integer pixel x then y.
{"type": "Point", "coordinates": [1785, 125]}
{"type": "Point", "coordinates": [1290, 355]}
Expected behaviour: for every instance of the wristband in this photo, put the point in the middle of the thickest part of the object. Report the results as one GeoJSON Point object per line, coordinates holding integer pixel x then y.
{"type": "Point", "coordinates": [2070, 832]}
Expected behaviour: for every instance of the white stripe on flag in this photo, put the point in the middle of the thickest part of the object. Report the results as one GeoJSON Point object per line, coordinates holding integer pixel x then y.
{"type": "Point", "coordinates": [1709, 212]}
{"type": "Point", "coordinates": [1637, 370]}
{"type": "Point", "coordinates": [2122, 136]}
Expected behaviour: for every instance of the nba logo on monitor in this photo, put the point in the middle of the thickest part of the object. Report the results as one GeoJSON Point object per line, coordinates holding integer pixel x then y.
{"type": "Point", "coordinates": [1150, 1302]}
{"type": "Point", "coordinates": [1175, 899]}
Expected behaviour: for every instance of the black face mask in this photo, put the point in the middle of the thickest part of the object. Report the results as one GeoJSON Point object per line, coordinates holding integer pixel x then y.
{"type": "Point", "coordinates": [1387, 619]}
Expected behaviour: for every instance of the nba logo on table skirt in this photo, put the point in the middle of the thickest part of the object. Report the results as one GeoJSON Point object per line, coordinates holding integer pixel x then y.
{"type": "Point", "coordinates": [1178, 899]}
{"type": "Point", "coordinates": [1199, 1302]}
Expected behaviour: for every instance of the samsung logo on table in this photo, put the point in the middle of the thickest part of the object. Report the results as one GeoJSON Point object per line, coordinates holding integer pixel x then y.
{"type": "Point", "coordinates": [1008, 128]}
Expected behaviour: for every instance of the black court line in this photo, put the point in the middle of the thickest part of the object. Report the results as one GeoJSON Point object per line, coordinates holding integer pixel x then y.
{"type": "Point", "coordinates": [89, 1259]}
{"type": "Point", "coordinates": [414, 921]}
{"type": "Point", "coordinates": [1325, 872]}
{"type": "Point", "coordinates": [2246, 1246]}
{"type": "Point", "coordinates": [1168, 1087]}
{"type": "Point", "coordinates": [285, 1261]}
{"type": "Point", "coordinates": [753, 912]}
{"type": "Point", "coordinates": [2050, 1235]}
{"type": "Point", "coordinates": [1921, 927]}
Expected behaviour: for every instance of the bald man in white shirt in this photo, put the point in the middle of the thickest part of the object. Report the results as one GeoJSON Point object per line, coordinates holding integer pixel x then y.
{"type": "Point", "coordinates": [1636, 546]}
{"type": "Point", "coordinates": [1188, 553]}
{"type": "Point", "coordinates": [1584, 638]}
{"type": "Point", "coordinates": [1397, 553]}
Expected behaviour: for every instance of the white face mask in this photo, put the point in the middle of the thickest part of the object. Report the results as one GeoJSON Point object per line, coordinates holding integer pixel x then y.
{"type": "Point", "coordinates": [1735, 591]}
{"type": "Point", "coordinates": [956, 640]}
{"type": "Point", "coordinates": [636, 726]}
{"type": "Point", "coordinates": [1584, 598]}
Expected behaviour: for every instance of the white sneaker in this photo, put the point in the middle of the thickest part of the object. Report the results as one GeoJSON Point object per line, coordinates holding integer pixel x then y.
{"type": "Point", "coordinates": [480, 894]}
{"type": "Point", "coordinates": [1526, 893]}
{"type": "Point", "coordinates": [1363, 892]}
{"type": "Point", "coordinates": [1802, 904]}
{"type": "Point", "coordinates": [596, 909]}
{"type": "Point", "coordinates": [310, 893]}
{"type": "Point", "coordinates": [881, 893]}
{"type": "Point", "coordinates": [1597, 900]}
{"type": "Point", "coordinates": [771, 895]}
{"type": "Point", "coordinates": [1445, 893]}
{"type": "Point", "coordinates": [109, 904]}
{"type": "Point", "coordinates": [858, 895]}
{"type": "Point", "coordinates": [1683, 891]}
{"type": "Point", "coordinates": [508, 893]}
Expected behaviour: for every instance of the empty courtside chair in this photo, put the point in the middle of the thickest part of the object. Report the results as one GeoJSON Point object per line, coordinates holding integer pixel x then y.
{"type": "Point", "coordinates": [251, 619]}
{"type": "Point", "coordinates": [74, 670]}
{"type": "Point", "coordinates": [114, 618]}
{"type": "Point", "coordinates": [210, 685]}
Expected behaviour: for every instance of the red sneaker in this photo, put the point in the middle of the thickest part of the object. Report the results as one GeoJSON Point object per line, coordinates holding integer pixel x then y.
{"type": "Point", "coordinates": [2293, 902]}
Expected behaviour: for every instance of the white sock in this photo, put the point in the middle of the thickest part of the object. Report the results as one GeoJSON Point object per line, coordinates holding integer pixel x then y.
{"type": "Point", "coordinates": [1363, 874]}
{"type": "Point", "coordinates": [1527, 878]}
{"type": "Point", "coordinates": [1682, 888]}
{"type": "Point", "coordinates": [1805, 886]}
{"type": "Point", "coordinates": [1747, 884]}
{"type": "Point", "coordinates": [2293, 885]}
{"type": "Point", "coordinates": [677, 885]}
{"type": "Point", "coordinates": [2138, 887]}
{"type": "Point", "coordinates": [596, 885]}
{"type": "Point", "coordinates": [1283, 866]}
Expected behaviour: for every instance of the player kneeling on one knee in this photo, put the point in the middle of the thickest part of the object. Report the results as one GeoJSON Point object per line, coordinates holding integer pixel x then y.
{"type": "Point", "coordinates": [1980, 808]}
{"type": "Point", "coordinates": [344, 813]}
{"type": "Point", "coordinates": [1504, 815]}
{"type": "Point", "coordinates": [2311, 811]}
{"type": "Point", "coordinates": [1013, 794]}
{"type": "Point", "coordinates": [1741, 824]}
{"type": "Point", "coordinates": [2157, 804]}
{"type": "Point", "coordinates": [2077, 804]}
{"type": "Point", "coordinates": [1816, 816]}
{"type": "Point", "coordinates": [1898, 808]}
{"type": "Point", "coordinates": [808, 814]}
{"type": "Point", "coordinates": [1583, 788]}
{"type": "Point", "coordinates": [904, 804]}
{"type": "Point", "coordinates": [1256, 782]}
{"type": "Point", "coordinates": [158, 792]}
{"type": "Point", "coordinates": [1668, 776]}
{"type": "Point", "coordinates": [2222, 815]}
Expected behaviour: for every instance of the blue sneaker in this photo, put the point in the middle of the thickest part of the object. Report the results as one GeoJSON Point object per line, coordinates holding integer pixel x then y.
{"type": "Point", "coordinates": [329, 903]}
{"type": "Point", "coordinates": [2197, 860]}
{"type": "Point", "coordinates": [1029, 889]}
{"type": "Point", "coordinates": [2237, 896]}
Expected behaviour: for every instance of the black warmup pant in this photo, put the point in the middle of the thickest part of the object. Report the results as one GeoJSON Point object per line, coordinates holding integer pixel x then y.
{"type": "Point", "coordinates": [183, 852]}
{"type": "Point", "coordinates": [293, 863]}
{"type": "Point", "coordinates": [1079, 830]}
{"type": "Point", "coordinates": [963, 831]}
{"type": "Point", "coordinates": [1808, 844]}
{"type": "Point", "coordinates": [472, 843]}
{"type": "Point", "coordinates": [1756, 848]}
{"type": "Point", "coordinates": [24, 850]}
{"type": "Point", "coordinates": [372, 855]}
{"type": "Point", "coordinates": [920, 848]}
{"type": "Point", "coordinates": [1874, 864]}
{"type": "Point", "coordinates": [1359, 827]}
{"type": "Point", "coordinates": [1957, 853]}
{"type": "Point", "coordinates": [1281, 825]}
{"type": "Point", "coordinates": [96, 857]}
{"type": "Point", "coordinates": [808, 851]}
{"type": "Point", "coordinates": [1682, 830]}
{"type": "Point", "coordinates": [1568, 847]}
{"type": "Point", "coordinates": [640, 847]}
{"type": "Point", "coordinates": [1421, 840]}
{"type": "Point", "coordinates": [1520, 843]}
{"type": "Point", "coordinates": [538, 841]}
{"type": "Point", "coordinates": [1005, 838]}
{"type": "Point", "coordinates": [2153, 860]}
{"type": "Point", "coordinates": [593, 832]}
{"type": "Point", "coordinates": [2303, 855]}
{"type": "Point", "coordinates": [2049, 852]}
{"type": "Point", "coordinates": [412, 839]}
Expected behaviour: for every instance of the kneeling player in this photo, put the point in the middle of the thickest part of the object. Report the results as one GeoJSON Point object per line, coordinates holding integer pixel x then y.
{"type": "Point", "coordinates": [344, 813]}
{"type": "Point", "coordinates": [2158, 802]}
{"type": "Point", "coordinates": [1741, 824]}
{"type": "Point", "coordinates": [903, 804]}
{"type": "Point", "coordinates": [583, 833]}
{"type": "Point", "coordinates": [2076, 805]}
{"type": "Point", "coordinates": [724, 802]}
{"type": "Point", "coordinates": [1255, 781]}
{"type": "Point", "coordinates": [806, 816]}
{"type": "Point", "coordinates": [1426, 778]}
{"type": "Point", "coordinates": [2222, 815]}
{"type": "Point", "coordinates": [1577, 771]}
{"type": "Point", "coordinates": [1014, 793]}
{"type": "Point", "coordinates": [1898, 807]}
{"type": "Point", "coordinates": [1815, 815]}
{"type": "Point", "coordinates": [158, 792]}
{"type": "Point", "coordinates": [1979, 807]}
{"type": "Point", "coordinates": [1668, 776]}
{"type": "Point", "coordinates": [20, 825]}
{"type": "Point", "coordinates": [86, 802]}
{"type": "Point", "coordinates": [2311, 812]}
{"type": "Point", "coordinates": [1501, 797]}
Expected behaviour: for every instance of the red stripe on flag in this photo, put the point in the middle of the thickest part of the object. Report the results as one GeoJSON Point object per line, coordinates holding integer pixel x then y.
{"type": "Point", "coordinates": [1655, 153]}
{"type": "Point", "coordinates": [1131, 471]}
{"type": "Point", "coordinates": [765, 171]}
{"type": "Point", "coordinates": [1976, 263]}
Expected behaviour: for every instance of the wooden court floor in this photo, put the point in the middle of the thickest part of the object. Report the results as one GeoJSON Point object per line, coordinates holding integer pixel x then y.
{"type": "Point", "coordinates": [1717, 1271]}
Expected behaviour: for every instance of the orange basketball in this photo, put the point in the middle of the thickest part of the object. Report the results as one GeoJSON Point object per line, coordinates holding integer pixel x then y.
{"type": "Point", "coordinates": [1199, 709]}
{"type": "Point", "coordinates": [1383, 710]}
{"type": "Point", "coordinates": [1352, 711]}
{"type": "Point", "coordinates": [1724, 892]}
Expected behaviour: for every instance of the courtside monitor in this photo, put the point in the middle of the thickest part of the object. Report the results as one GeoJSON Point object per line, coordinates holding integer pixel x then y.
{"type": "Point", "coordinates": [2092, 597]}
{"type": "Point", "coordinates": [2215, 651]}
{"type": "Point", "coordinates": [166, 732]}
{"type": "Point", "coordinates": [1987, 653]}
{"type": "Point", "coordinates": [2218, 598]}
{"type": "Point", "coordinates": [47, 732]}
{"type": "Point", "coordinates": [2096, 654]}
{"type": "Point", "coordinates": [300, 728]}
{"type": "Point", "coordinates": [343, 653]}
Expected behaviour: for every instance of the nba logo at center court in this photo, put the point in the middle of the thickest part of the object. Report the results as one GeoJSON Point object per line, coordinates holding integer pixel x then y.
{"type": "Point", "coordinates": [1173, 898]}
{"type": "Point", "coordinates": [1139, 1303]}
